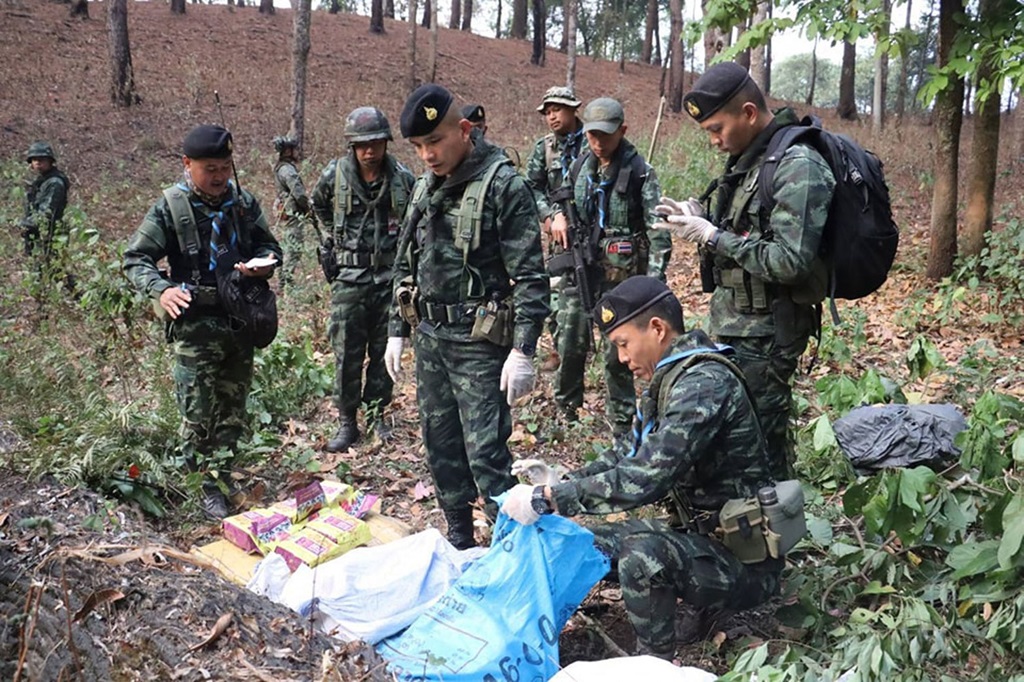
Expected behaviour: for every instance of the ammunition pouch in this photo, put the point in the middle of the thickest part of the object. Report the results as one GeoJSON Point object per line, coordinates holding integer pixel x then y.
{"type": "Point", "coordinates": [753, 531]}
{"type": "Point", "coordinates": [750, 294]}
{"type": "Point", "coordinates": [493, 322]}
{"type": "Point", "coordinates": [408, 298]}
{"type": "Point", "coordinates": [328, 262]}
{"type": "Point", "coordinates": [624, 257]}
{"type": "Point", "coordinates": [707, 271]}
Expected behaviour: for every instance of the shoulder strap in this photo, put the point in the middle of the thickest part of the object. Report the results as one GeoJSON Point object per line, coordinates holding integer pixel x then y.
{"type": "Point", "coordinates": [184, 227]}
{"type": "Point", "coordinates": [683, 361]}
{"type": "Point", "coordinates": [807, 130]}
{"type": "Point", "coordinates": [577, 165]}
{"type": "Point", "coordinates": [471, 209]}
{"type": "Point", "coordinates": [399, 190]}
{"type": "Point", "coordinates": [342, 188]}
{"type": "Point", "coordinates": [549, 151]}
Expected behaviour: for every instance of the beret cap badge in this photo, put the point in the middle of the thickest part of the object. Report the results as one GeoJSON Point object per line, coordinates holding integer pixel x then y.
{"type": "Point", "coordinates": [430, 113]}
{"type": "Point", "coordinates": [607, 314]}
{"type": "Point", "coordinates": [692, 108]}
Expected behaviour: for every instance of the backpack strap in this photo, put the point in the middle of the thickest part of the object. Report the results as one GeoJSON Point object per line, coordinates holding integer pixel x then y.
{"type": "Point", "coordinates": [471, 210]}
{"type": "Point", "coordinates": [549, 151]}
{"type": "Point", "coordinates": [784, 138]}
{"type": "Point", "coordinates": [342, 188]}
{"type": "Point", "coordinates": [184, 227]}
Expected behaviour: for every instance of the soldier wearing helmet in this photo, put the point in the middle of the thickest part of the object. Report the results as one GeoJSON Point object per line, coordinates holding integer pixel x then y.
{"type": "Point", "coordinates": [45, 199]}
{"type": "Point", "coordinates": [291, 207]}
{"type": "Point", "coordinates": [360, 200]}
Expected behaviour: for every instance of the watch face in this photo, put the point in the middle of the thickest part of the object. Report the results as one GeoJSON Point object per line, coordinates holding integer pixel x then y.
{"type": "Point", "coordinates": [539, 503]}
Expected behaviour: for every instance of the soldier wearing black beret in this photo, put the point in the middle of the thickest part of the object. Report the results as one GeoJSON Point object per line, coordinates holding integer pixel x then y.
{"type": "Point", "coordinates": [695, 444]}
{"type": "Point", "coordinates": [763, 266]}
{"type": "Point", "coordinates": [205, 227]}
{"type": "Point", "coordinates": [474, 113]}
{"type": "Point", "coordinates": [471, 274]}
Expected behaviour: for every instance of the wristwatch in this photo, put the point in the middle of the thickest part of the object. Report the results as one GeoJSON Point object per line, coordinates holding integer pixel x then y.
{"type": "Point", "coordinates": [540, 503]}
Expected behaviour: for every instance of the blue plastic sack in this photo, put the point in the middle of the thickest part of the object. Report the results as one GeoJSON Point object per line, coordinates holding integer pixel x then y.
{"type": "Point", "coordinates": [500, 621]}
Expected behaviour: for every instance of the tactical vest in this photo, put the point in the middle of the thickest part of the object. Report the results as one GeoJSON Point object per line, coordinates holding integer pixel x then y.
{"type": "Point", "coordinates": [343, 197]}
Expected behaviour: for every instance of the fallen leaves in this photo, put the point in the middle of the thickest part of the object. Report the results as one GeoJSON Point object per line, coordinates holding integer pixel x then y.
{"type": "Point", "coordinates": [97, 598]}
{"type": "Point", "coordinates": [218, 629]}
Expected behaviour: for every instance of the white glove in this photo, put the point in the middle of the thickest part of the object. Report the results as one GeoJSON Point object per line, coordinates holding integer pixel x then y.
{"type": "Point", "coordinates": [671, 207]}
{"type": "Point", "coordinates": [393, 357]}
{"type": "Point", "coordinates": [517, 376]}
{"type": "Point", "coordinates": [519, 504]}
{"type": "Point", "coordinates": [691, 228]}
{"type": "Point", "coordinates": [537, 472]}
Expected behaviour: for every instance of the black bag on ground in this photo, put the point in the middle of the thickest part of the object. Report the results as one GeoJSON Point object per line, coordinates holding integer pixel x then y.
{"type": "Point", "coordinates": [886, 436]}
{"type": "Point", "coordinates": [860, 238]}
{"type": "Point", "coordinates": [249, 302]}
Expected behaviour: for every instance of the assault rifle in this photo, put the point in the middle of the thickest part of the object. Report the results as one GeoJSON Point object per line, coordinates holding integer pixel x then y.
{"type": "Point", "coordinates": [581, 257]}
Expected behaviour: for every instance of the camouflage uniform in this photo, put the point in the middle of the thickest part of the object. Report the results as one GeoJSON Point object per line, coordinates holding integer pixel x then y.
{"type": "Point", "coordinates": [213, 369]}
{"type": "Point", "coordinates": [628, 246]}
{"type": "Point", "coordinates": [291, 207]}
{"type": "Point", "coordinates": [769, 274]}
{"type": "Point", "coordinates": [464, 417]}
{"type": "Point", "coordinates": [365, 237]}
{"type": "Point", "coordinates": [45, 201]}
{"type": "Point", "coordinates": [705, 447]}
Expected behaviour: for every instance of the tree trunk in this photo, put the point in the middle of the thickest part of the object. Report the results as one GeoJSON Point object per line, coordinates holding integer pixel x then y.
{"type": "Point", "coordinates": [122, 83]}
{"type": "Point", "coordinates": [389, 9]}
{"type": "Point", "coordinates": [901, 84]}
{"type": "Point", "coordinates": [80, 8]}
{"type": "Point", "coordinates": [467, 15]}
{"type": "Point", "coordinates": [878, 94]}
{"type": "Point", "coordinates": [981, 172]}
{"type": "Point", "coordinates": [411, 85]}
{"type": "Point", "coordinates": [847, 108]}
{"type": "Point", "coordinates": [334, 9]}
{"type": "Point", "coordinates": [743, 58]}
{"type": "Point", "coordinates": [540, 29]}
{"type": "Point", "coordinates": [650, 25]}
{"type": "Point", "coordinates": [657, 58]}
{"type": "Point", "coordinates": [814, 74]}
{"type": "Point", "coordinates": [759, 54]}
{"type": "Point", "coordinates": [518, 28]}
{"type": "Point", "coordinates": [427, 12]}
{"type": "Point", "coordinates": [300, 56]}
{"type": "Point", "coordinates": [497, 22]}
{"type": "Point", "coordinates": [376, 16]}
{"type": "Point", "coordinates": [714, 40]}
{"type": "Point", "coordinates": [434, 31]}
{"type": "Point", "coordinates": [570, 45]}
{"type": "Point", "coordinates": [946, 121]}
{"type": "Point", "coordinates": [266, 6]}
{"type": "Point", "coordinates": [564, 45]}
{"type": "Point", "coordinates": [456, 18]}
{"type": "Point", "coordinates": [676, 55]}
{"type": "Point", "coordinates": [177, 6]}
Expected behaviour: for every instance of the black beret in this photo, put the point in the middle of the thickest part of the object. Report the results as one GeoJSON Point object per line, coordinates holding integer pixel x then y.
{"type": "Point", "coordinates": [718, 85]}
{"type": "Point", "coordinates": [627, 300]}
{"type": "Point", "coordinates": [207, 142]}
{"type": "Point", "coordinates": [424, 110]}
{"type": "Point", "coordinates": [474, 113]}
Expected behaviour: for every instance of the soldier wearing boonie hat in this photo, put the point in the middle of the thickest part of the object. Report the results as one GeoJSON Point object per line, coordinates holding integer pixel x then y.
{"type": "Point", "coordinates": [615, 191]}
{"type": "Point", "coordinates": [201, 225]}
{"type": "Point", "coordinates": [696, 443]}
{"type": "Point", "coordinates": [764, 268]}
{"type": "Point", "coordinates": [470, 275]}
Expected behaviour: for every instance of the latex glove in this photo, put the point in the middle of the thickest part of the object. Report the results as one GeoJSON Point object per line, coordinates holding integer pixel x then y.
{"type": "Point", "coordinates": [393, 357]}
{"type": "Point", "coordinates": [517, 376]}
{"type": "Point", "coordinates": [671, 207]}
{"type": "Point", "coordinates": [691, 228]}
{"type": "Point", "coordinates": [518, 504]}
{"type": "Point", "coordinates": [537, 472]}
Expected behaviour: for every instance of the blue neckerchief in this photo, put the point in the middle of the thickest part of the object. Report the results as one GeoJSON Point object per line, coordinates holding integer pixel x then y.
{"type": "Point", "coordinates": [570, 151]}
{"type": "Point", "coordinates": [645, 427]}
{"type": "Point", "coordinates": [597, 199]}
{"type": "Point", "coordinates": [218, 220]}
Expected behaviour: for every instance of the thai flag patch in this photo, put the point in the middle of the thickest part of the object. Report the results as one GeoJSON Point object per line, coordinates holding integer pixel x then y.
{"type": "Point", "coordinates": [621, 248]}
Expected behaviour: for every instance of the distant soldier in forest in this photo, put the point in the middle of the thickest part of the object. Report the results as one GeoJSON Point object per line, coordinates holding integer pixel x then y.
{"type": "Point", "coordinates": [548, 167]}
{"type": "Point", "coordinates": [470, 280]}
{"type": "Point", "coordinates": [45, 201]}
{"type": "Point", "coordinates": [360, 200]}
{"type": "Point", "coordinates": [291, 207]}
{"type": "Point", "coordinates": [206, 228]}
{"type": "Point", "coordinates": [615, 191]}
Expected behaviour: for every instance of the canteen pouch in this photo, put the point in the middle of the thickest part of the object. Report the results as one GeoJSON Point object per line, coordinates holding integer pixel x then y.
{"type": "Point", "coordinates": [741, 530]}
{"type": "Point", "coordinates": [493, 322]}
{"type": "Point", "coordinates": [785, 523]}
{"type": "Point", "coordinates": [408, 297]}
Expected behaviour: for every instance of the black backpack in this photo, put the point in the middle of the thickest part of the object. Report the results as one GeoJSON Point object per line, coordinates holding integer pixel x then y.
{"type": "Point", "coordinates": [860, 238]}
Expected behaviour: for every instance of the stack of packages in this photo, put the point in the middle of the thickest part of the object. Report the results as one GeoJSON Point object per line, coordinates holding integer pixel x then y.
{"type": "Point", "coordinates": [322, 521]}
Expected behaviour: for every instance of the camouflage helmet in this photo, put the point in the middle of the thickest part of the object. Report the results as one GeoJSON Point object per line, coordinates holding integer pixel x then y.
{"type": "Point", "coordinates": [281, 143]}
{"type": "Point", "coordinates": [365, 124]}
{"type": "Point", "coordinates": [40, 149]}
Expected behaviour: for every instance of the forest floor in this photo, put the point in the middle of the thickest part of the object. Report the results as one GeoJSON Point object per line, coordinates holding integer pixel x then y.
{"type": "Point", "coordinates": [96, 590]}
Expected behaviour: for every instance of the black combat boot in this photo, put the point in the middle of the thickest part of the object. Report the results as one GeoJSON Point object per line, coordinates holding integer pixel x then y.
{"type": "Point", "coordinates": [347, 435]}
{"type": "Point", "coordinates": [460, 527]}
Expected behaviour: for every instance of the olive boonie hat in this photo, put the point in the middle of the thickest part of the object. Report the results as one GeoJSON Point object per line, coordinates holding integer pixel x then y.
{"type": "Point", "coordinates": [424, 110]}
{"type": "Point", "coordinates": [207, 142]}
{"type": "Point", "coordinates": [627, 300]}
{"type": "Point", "coordinates": [718, 85]}
{"type": "Point", "coordinates": [559, 94]}
{"type": "Point", "coordinates": [603, 114]}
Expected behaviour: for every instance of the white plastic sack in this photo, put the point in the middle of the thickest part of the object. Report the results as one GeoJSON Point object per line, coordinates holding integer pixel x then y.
{"type": "Point", "coordinates": [368, 593]}
{"type": "Point", "coordinates": [646, 668]}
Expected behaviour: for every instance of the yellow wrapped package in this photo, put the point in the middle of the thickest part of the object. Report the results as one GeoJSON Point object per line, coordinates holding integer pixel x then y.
{"type": "Point", "coordinates": [333, 533]}
{"type": "Point", "coordinates": [244, 530]}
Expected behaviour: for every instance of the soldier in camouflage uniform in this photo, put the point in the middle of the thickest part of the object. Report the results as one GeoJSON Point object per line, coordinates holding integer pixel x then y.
{"type": "Point", "coordinates": [45, 200]}
{"type": "Point", "coordinates": [476, 281]}
{"type": "Point", "coordinates": [765, 270]}
{"type": "Point", "coordinates": [696, 443]}
{"type": "Point", "coordinates": [213, 365]}
{"type": "Point", "coordinates": [615, 194]}
{"type": "Point", "coordinates": [361, 199]}
{"type": "Point", "coordinates": [291, 207]}
{"type": "Point", "coordinates": [548, 166]}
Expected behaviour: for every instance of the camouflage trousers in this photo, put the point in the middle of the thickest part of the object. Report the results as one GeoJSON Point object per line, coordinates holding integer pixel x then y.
{"type": "Point", "coordinates": [292, 231]}
{"type": "Point", "coordinates": [464, 419]}
{"type": "Point", "coordinates": [359, 330]}
{"type": "Point", "coordinates": [575, 339]}
{"type": "Point", "coordinates": [212, 377]}
{"type": "Point", "coordinates": [768, 367]}
{"type": "Point", "coordinates": [656, 564]}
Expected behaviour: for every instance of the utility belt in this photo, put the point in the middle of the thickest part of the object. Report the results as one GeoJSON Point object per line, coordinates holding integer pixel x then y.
{"type": "Point", "coordinates": [750, 294]}
{"type": "Point", "coordinates": [492, 320]}
{"type": "Point", "coordinates": [358, 259]}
